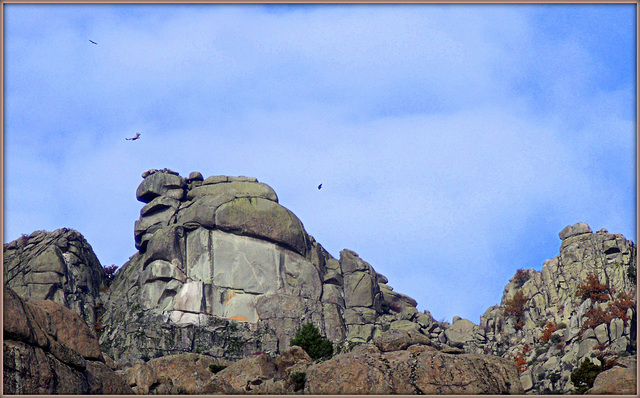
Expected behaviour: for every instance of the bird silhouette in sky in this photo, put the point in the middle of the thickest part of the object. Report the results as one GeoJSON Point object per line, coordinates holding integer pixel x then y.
{"type": "Point", "coordinates": [320, 186]}
{"type": "Point", "coordinates": [93, 42]}
{"type": "Point", "coordinates": [135, 137]}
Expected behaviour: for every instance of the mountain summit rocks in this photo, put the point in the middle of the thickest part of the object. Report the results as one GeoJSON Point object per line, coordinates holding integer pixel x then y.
{"type": "Point", "coordinates": [224, 269]}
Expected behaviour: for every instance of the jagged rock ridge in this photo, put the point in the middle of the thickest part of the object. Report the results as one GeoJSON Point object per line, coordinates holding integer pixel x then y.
{"type": "Point", "coordinates": [546, 326]}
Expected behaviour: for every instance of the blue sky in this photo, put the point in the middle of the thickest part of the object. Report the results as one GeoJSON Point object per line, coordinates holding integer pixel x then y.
{"type": "Point", "coordinates": [453, 142]}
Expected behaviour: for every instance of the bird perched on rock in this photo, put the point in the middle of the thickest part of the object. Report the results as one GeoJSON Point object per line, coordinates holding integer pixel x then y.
{"type": "Point", "coordinates": [135, 137]}
{"type": "Point", "coordinates": [320, 186]}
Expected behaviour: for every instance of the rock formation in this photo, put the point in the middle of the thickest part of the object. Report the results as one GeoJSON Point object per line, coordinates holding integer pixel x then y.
{"type": "Point", "coordinates": [546, 325]}
{"type": "Point", "coordinates": [49, 349]}
{"type": "Point", "coordinates": [59, 266]}
{"type": "Point", "coordinates": [397, 362]}
{"type": "Point", "coordinates": [224, 269]}
{"type": "Point", "coordinates": [226, 276]}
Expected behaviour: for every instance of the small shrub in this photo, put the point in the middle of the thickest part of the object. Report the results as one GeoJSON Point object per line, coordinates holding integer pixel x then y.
{"type": "Point", "coordinates": [526, 348]}
{"type": "Point", "coordinates": [549, 328]}
{"type": "Point", "coordinates": [594, 317]}
{"type": "Point", "coordinates": [215, 368]}
{"type": "Point", "coordinates": [385, 307]}
{"type": "Point", "coordinates": [556, 338]}
{"type": "Point", "coordinates": [520, 277]}
{"type": "Point", "coordinates": [593, 289]}
{"type": "Point", "coordinates": [562, 325]}
{"type": "Point", "coordinates": [521, 363]}
{"type": "Point", "coordinates": [299, 379]}
{"type": "Point", "coordinates": [584, 376]}
{"type": "Point", "coordinates": [109, 274]}
{"type": "Point", "coordinates": [310, 340]}
{"type": "Point", "coordinates": [515, 306]}
{"type": "Point", "coordinates": [618, 307]}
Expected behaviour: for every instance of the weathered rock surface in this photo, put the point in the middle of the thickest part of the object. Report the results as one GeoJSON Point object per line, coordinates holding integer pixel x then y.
{"type": "Point", "coordinates": [419, 369]}
{"type": "Point", "coordinates": [620, 380]}
{"type": "Point", "coordinates": [223, 268]}
{"type": "Point", "coordinates": [173, 374]}
{"type": "Point", "coordinates": [59, 266]}
{"type": "Point", "coordinates": [49, 349]}
{"type": "Point", "coordinates": [577, 327]}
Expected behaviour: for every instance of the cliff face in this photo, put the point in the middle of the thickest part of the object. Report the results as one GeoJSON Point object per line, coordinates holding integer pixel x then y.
{"type": "Point", "coordinates": [581, 305]}
{"type": "Point", "coordinates": [59, 266]}
{"type": "Point", "coordinates": [224, 271]}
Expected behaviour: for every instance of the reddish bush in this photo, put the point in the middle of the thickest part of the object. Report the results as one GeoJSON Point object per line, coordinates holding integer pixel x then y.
{"type": "Point", "coordinates": [515, 306]}
{"type": "Point", "coordinates": [549, 328]}
{"type": "Point", "coordinates": [594, 317]}
{"type": "Point", "coordinates": [618, 307]}
{"type": "Point", "coordinates": [526, 348]}
{"type": "Point", "coordinates": [521, 363]}
{"type": "Point", "coordinates": [594, 290]}
{"type": "Point", "coordinates": [601, 346]}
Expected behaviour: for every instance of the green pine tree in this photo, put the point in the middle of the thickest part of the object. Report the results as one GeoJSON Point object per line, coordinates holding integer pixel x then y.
{"type": "Point", "coordinates": [310, 340]}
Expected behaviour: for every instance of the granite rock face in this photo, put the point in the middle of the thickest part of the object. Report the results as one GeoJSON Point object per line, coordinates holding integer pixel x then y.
{"type": "Point", "coordinates": [59, 266]}
{"type": "Point", "coordinates": [49, 349]}
{"type": "Point", "coordinates": [224, 269]}
{"type": "Point", "coordinates": [414, 369]}
{"type": "Point", "coordinates": [553, 328]}
{"type": "Point", "coordinates": [418, 369]}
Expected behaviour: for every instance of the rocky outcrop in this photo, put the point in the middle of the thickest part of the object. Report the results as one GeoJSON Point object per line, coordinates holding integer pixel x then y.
{"type": "Point", "coordinates": [223, 268]}
{"type": "Point", "coordinates": [407, 364]}
{"type": "Point", "coordinates": [59, 266]}
{"type": "Point", "coordinates": [548, 324]}
{"type": "Point", "coordinates": [173, 374]}
{"type": "Point", "coordinates": [49, 349]}
{"type": "Point", "coordinates": [620, 380]}
{"type": "Point", "coordinates": [416, 369]}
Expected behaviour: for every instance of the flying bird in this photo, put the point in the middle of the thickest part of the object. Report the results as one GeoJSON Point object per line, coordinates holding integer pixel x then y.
{"type": "Point", "coordinates": [320, 186]}
{"type": "Point", "coordinates": [93, 42]}
{"type": "Point", "coordinates": [135, 137]}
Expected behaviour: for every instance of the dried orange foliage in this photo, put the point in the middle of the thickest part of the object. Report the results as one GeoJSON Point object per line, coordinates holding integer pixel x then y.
{"type": "Point", "coordinates": [515, 305]}
{"type": "Point", "coordinates": [594, 290]}
{"type": "Point", "coordinates": [521, 363]}
{"type": "Point", "coordinates": [549, 328]}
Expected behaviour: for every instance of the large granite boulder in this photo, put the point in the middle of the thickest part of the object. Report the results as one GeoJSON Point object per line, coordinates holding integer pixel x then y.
{"type": "Point", "coordinates": [419, 369]}
{"type": "Point", "coordinates": [49, 349]}
{"type": "Point", "coordinates": [59, 266]}
{"type": "Point", "coordinates": [619, 380]}
{"type": "Point", "coordinates": [223, 267]}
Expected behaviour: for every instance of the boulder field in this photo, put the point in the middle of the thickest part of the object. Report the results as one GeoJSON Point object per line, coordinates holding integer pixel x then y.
{"type": "Point", "coordinates": [224, 277]}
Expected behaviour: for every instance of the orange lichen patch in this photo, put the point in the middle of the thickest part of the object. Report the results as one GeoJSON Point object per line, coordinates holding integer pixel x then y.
{"type": "Point", "coordinates": [239, 318]}
{"type": "Point", "coordinates": [228, 296]}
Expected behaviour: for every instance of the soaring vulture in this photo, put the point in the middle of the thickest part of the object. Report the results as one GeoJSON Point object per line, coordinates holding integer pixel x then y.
{"type": "Point", "coordinates": [93, 41]}
{"type": "Point", "coordinates": [135, 137]}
